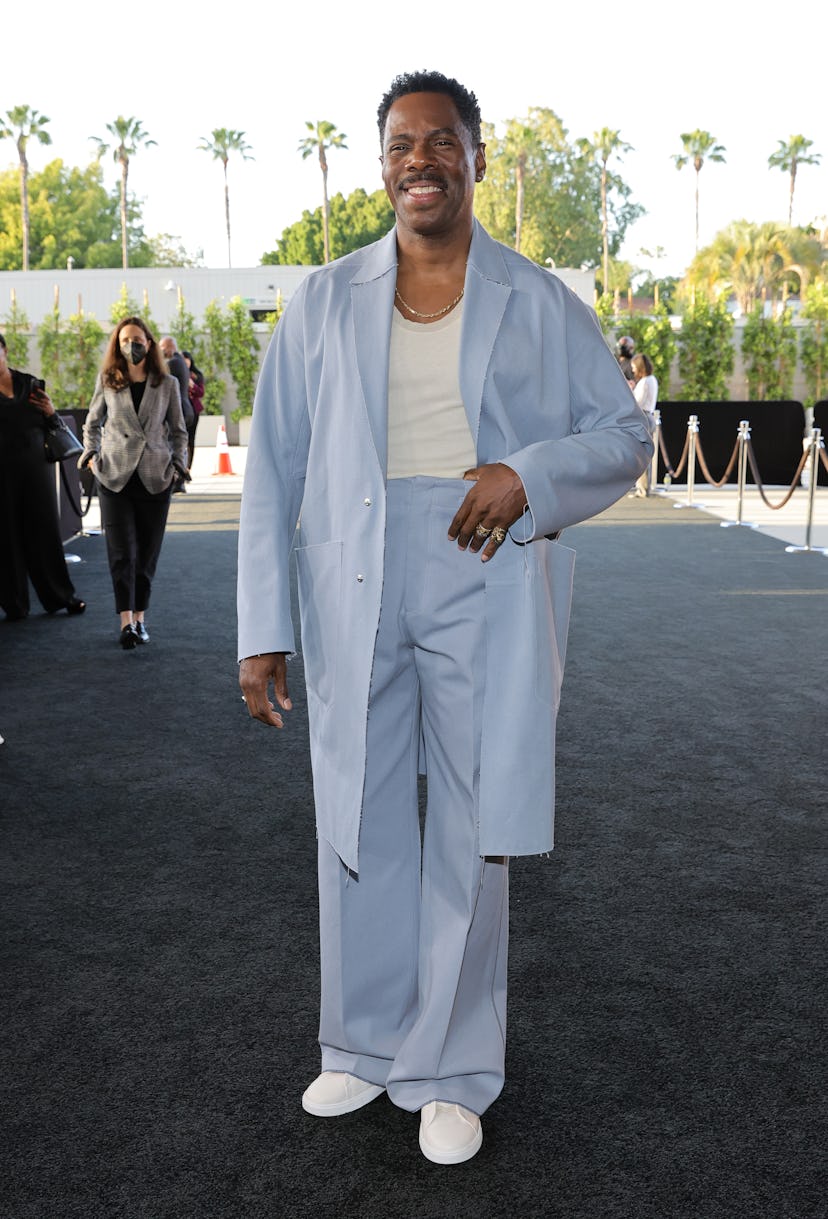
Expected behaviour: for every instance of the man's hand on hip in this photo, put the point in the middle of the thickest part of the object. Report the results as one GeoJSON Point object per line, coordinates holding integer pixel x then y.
{"type": "Point", "coordinates": [255, 674]}
{"type": "Point", "coordinates": [492, 505]}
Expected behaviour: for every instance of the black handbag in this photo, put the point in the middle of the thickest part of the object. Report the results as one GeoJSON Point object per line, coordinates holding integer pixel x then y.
{"type": "Point", "coordinates": [60, 442]}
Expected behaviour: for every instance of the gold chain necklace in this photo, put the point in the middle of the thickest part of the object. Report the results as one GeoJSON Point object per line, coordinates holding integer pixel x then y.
{"type": "Point", "coordinates": [429, 316]}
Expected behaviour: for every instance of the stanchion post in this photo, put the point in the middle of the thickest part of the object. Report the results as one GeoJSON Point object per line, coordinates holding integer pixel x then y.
{"type": "Point", "coordinates": [817, 443]}
{"type": "Point", "coordinates": [652, 482]}
{"type": "Point", "coordinates": [693, 429]}
{"type": "Point", "coordinates": [743, 438]}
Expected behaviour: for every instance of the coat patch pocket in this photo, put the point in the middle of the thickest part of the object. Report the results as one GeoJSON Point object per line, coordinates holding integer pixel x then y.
{"type": "Point", "coordinates": [319, 571]}
{"type": "Point", "coordinates": [528, 602]}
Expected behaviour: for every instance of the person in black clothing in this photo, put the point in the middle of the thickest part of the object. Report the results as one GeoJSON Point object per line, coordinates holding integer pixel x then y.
{"type": "Point", "coordinates": [624, 352]}
{"type": "Point", "coordinates": [196, 401]}
{"type": "Point", "coordinates": [177, 367]}
{"type": "Point", "coordinates": [30, 542]}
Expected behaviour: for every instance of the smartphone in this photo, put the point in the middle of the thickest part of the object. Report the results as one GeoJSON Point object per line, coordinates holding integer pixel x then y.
{"type": "Point", "coordinates": [38, 383]}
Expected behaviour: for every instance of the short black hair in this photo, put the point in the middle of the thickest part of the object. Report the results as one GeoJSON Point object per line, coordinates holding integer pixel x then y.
{"type": "Point", "coordinates": [467, 104]}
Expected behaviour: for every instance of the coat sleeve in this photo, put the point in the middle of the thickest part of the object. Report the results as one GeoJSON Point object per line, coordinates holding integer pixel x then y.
{"type": "Point", "coordinates": [95, 419]}
{"type": "Point", "coordinates": [572, 478]}
{"type": "Point", "coordinates": [274, 480]}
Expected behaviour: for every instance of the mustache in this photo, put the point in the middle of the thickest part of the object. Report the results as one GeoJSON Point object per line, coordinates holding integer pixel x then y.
{"type": "Point", "coordinates": [418, 179]}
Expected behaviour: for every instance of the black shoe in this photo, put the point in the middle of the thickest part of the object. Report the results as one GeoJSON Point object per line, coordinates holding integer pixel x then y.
{"type": "Point", "coordinates": [128, 637]}
{"type": "Point", "coordinates": [141, 631]}
{"type": "Point", "coordinates": [76, 606]}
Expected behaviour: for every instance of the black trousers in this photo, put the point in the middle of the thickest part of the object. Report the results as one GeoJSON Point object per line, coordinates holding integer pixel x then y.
{"type": "Point", "coordinates": [30, 544]}
{"type": "Point", "coordinates": [133, 520]}
{"type": "Point", "coordinates": [191, 431]}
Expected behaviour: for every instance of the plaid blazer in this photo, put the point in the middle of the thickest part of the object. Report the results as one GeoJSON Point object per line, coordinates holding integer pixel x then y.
{"type": "Point", "coordinates": [151, 440]}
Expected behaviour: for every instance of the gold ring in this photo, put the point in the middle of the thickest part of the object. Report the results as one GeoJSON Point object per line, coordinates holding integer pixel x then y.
{"type": "Point", "coordinates": [498, 534]}
{"type": "Point", "coordinates": [481, 530]}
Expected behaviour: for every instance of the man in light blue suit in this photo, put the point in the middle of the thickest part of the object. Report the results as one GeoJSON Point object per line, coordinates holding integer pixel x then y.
{"type": "Point", "coordinates": [434, 409]}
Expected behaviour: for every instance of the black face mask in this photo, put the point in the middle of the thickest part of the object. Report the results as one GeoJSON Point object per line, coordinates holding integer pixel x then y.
{"type": "Point", "coordinates": [134, 351]}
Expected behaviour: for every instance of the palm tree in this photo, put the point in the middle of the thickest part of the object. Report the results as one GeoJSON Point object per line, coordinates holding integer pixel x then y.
{"type": "Point", "coordinates": [605, 144]}
{"type": "Point", "coordinates": [699, 146]}
{"type": "Point", "coordinates": [130, 136]}
{"type": "Point", "coordinates": [788, 157]}
{"type": "Point", "coordinates": [325, 135]}
{"type": "Point", "coordinates": [23, 125]}
{"type": "Point", "coordinates": [224, 141]}
{"type": "Point", "coordinates": [522, 145]}
{"type": "Point", "coordinates": [752, 261]}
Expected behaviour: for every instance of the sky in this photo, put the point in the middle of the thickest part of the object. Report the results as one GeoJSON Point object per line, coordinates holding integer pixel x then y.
{"type": "Point", "coordinates": [651, 71]}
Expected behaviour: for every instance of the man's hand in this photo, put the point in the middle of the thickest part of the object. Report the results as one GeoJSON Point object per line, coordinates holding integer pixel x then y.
{"type": "Point", "coordinates": [494, 503]}
{"type": "Point", "coordinates": [255, 673]}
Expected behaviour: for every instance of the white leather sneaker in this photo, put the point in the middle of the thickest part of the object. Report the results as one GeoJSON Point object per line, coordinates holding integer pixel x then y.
{"type": "Point", "coordinates": [335, 1092]}
{"type": "Point", "coordinates": [449, 1134]}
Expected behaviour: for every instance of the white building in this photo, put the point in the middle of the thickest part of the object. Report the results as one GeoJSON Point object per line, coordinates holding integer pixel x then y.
{"type": "Point", "coordinates": [157, 289]}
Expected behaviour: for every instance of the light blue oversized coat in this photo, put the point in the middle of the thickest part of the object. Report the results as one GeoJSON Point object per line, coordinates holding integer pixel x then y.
{"type": "Point", "coordinates": [543, 394]}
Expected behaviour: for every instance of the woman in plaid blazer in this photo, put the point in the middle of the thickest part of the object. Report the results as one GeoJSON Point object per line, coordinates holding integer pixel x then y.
{"type": "Point", "coordinates": [136, 443]}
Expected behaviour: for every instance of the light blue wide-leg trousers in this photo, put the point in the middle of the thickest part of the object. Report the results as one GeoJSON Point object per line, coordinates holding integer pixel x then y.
{"type": "Point", "coordinates": [414, 947]}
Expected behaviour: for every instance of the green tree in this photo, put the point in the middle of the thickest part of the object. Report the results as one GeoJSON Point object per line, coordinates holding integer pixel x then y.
{"type": "Point", "coordinates": [561, 207]}
{"type": "Point", "coordinates": [324, 136]}
{"type": "Point", "coordinates": [605, 312]}
{"type": "Point", "coordinates": [24, 124]}
{"type": "Point", "coordinates": [224, 141]}
{"type": "Point", "coordinates": [698, 147]}
{"type": "Point", "coordinates": [71, 216]}
{"type": "Point", "coordinates": [83, 338]}
{"type": "Point", "coordinates": [130, 137]}
{"type": "Point", "coordinates": [242, 354]}
{"type": "Point", "coordinates": [769, 351]}
{"type": "Point", "coordinates": [522, 152]}
{"type": "Point", "coordinates": [184, 330]}
{"type": "Point", "coordinates": [813, 343]}
{"type": "Point", "coordinates": [653, 335]}
{"type": "Point", "coordinates": [354, 222]}
{"type": "Point", "coordinates": [272, 318]}
{"type": "Point", "coordinates": [754, 262]}
{"type": "Point", "coordinates": [167, 250]}
{"type": "Point", "coordinates": [70, 353]}
{"type": "Point", "coordinates": [705, 351]}
{"type": "Point", "coordinates": [214, 358]}
{"type": "Point", "coordinates": [605, 144]}
{"type": "Point", "coordinates": [15, 330]}
{"type": "Point", "coordinates": [53, 344]}
{"type": "Point", "coordinates": [788, 157]}
{"type": "Point", "coordinates": [127, 306]}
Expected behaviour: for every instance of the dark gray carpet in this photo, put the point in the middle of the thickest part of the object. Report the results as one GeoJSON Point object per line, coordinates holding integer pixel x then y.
{"type": "Point", "coordinates": [667, 965]}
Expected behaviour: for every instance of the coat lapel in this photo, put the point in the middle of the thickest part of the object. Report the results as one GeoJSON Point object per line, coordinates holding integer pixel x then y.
{"type": "Point", "coordinates": [372, 302]}
{"type": "Point", "coordinates": [145, 410]}
{"type": "Point", "coordinates": [487, 292]}
{"type": "Point", "coordinates": [128, 416]}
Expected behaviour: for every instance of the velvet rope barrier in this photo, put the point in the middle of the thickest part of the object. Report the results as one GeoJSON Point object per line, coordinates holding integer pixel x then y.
{"type": "Point", "coordinates": [757, 478]}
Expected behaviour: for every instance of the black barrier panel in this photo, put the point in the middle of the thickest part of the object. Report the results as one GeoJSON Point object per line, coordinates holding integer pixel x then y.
{"type": "Point", "coordinates": [776, 431]}
{"type": "Point", "coordinates": [821, 421]}
{"type": "Point", "coordinates": [70, 521]}
{"type": "Point", "coordinates": [87, 478]}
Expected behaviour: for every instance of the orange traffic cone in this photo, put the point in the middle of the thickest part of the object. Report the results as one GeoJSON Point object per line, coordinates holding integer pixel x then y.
{"type": "Point", "coordinates": [222, 452]}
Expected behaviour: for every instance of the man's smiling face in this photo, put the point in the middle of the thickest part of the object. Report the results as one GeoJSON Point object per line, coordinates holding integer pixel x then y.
{"type": "Point", "coordinates": [429, 165]}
